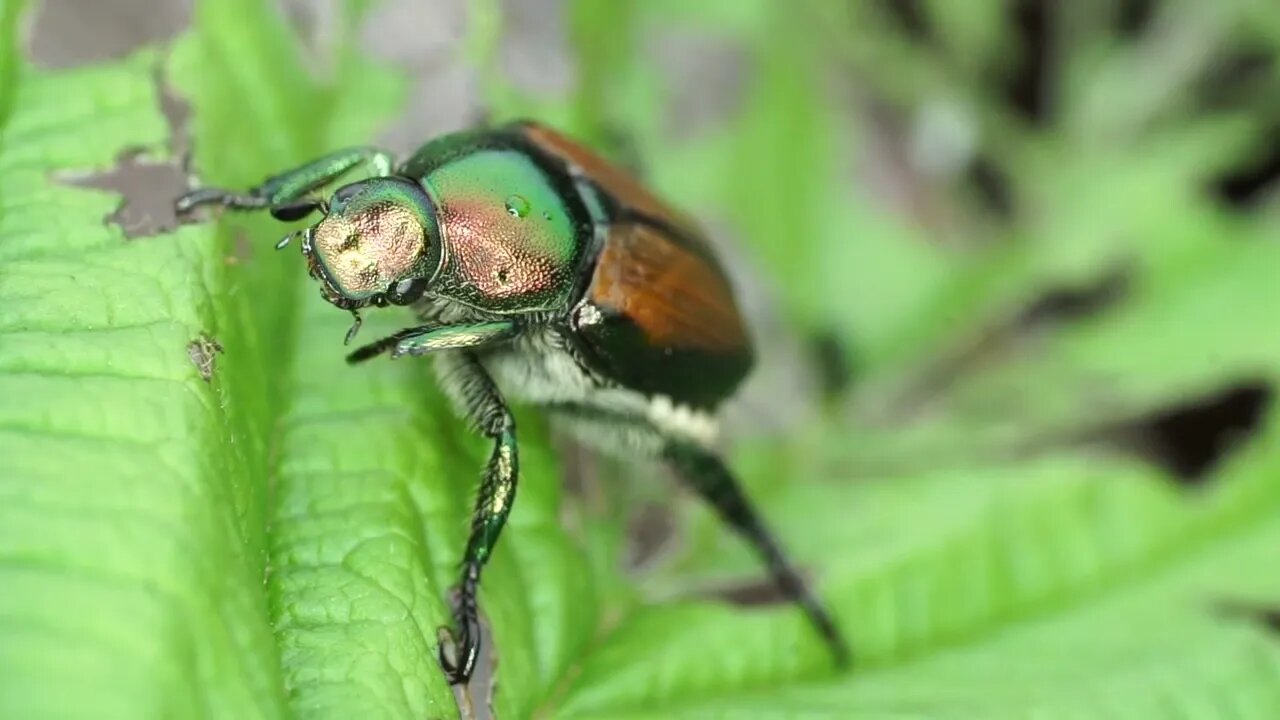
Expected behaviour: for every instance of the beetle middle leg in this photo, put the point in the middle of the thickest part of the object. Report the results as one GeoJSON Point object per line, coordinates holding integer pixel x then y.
{"type": "Point", "coordinates": [285, 194]}
{"type": "Point", "coordinates": [425, 339]}
{"type": "Point", "coordinates": [478, 399]}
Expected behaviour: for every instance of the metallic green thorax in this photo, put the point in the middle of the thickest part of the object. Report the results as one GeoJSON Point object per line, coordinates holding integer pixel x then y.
{"type": "Point", "coordinates": [513, 240]}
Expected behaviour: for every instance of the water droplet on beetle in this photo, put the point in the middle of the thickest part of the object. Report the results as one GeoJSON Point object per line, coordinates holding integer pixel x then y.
{"type": "Point", "coordinates": [517, 206]}
{"type": "Point", "coordinates": [546, 215]}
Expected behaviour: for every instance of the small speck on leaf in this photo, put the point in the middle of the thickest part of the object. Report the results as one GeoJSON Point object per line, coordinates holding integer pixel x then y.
{"type": "Point", "coordinates": [203, 352]}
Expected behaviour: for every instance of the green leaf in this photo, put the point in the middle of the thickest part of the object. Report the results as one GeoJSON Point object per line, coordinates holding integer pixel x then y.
{"type": "Point", "coordinates": [277, 539]}
{"type": "Point", "coordinates": [132, 586]}
{"type": "Point", "coordinates": [1073, 587]}
{"type": "Point", "coordinates": [205, 513]}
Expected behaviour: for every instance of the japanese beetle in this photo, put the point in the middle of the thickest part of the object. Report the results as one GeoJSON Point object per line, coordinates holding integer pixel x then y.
{"type": "Point", "coordinates": [540, 271]}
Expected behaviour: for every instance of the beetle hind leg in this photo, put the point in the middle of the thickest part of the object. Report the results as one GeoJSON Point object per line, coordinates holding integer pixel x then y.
{"type": "Point", "coordinates": [706, 474]}
{"type": "Point", "coordinates": [627, 435]}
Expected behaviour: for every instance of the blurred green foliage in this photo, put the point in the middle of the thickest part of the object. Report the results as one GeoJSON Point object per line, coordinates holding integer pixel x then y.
{"type": "Point", "coordinates": [1033, 223]}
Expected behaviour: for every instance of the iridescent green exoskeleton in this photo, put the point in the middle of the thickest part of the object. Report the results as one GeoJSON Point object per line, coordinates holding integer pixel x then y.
{"type": "Point", "coordinates": [538, 271]}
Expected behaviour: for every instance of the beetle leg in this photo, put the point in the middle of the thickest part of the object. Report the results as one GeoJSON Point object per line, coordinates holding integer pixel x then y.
{"type": "Point", "coordinates": [478, 399]}
{"type": "Point", "coordinates": [707, 475]}
{"type": "Point", "coordinates": [284, 193]}
{"type": "Point", "coordinates": [629, 436]}
{"type": "Point", "coordinates": [423, 339]}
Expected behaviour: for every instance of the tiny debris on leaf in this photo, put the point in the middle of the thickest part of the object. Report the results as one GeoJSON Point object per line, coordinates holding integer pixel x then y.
{"type": "Point", "coordinates": [203, 352]}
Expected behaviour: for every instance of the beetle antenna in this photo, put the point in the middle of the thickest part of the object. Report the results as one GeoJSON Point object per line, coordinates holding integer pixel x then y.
{"type": "Point", "coordinates": [355, 327]}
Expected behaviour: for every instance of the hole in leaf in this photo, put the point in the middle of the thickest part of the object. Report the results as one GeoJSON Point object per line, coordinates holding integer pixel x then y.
{"type": "Point", "coordinates": [147, 188]}
{"type": "Point", "coordinates": [1191, 438]}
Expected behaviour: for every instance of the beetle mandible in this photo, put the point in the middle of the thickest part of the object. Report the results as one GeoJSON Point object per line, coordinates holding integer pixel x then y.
{"type": "Point", "coordinates": [539, 271]}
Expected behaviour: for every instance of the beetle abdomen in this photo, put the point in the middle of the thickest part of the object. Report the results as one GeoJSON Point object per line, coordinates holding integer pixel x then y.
{"type": "Point", "coordinates": [660, 318]}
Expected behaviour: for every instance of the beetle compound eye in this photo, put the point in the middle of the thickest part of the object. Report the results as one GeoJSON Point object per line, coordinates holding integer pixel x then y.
{"type": "Point", "coordinates": [407, 291]}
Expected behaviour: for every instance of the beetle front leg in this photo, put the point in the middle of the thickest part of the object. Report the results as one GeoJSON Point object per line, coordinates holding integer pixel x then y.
{"type": "Point", "coordinates": [706, 474]}
{"type": "Point", "coordinates": [285, 194]}
{"type": "Point", "coordinates": [478, 399]}
{"type": "Point", "coordinates": [425, 339]}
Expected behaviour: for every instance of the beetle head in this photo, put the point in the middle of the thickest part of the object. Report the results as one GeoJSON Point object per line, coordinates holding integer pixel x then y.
{"type": "Point", "coordinates": [378, 244]}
